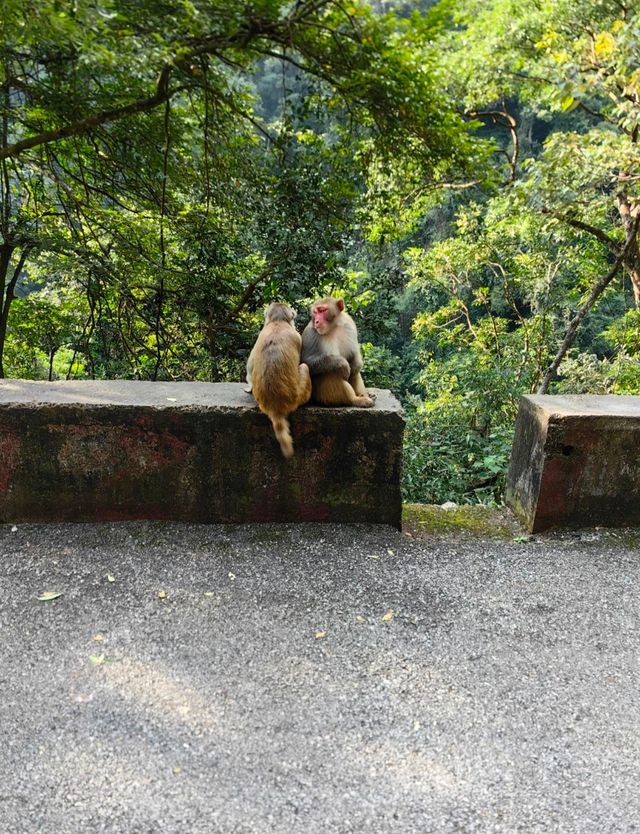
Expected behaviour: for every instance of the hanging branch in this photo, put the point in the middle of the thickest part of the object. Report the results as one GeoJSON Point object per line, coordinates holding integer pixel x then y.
{"type": "Point", "coordinates": [163, 251]}
{"type": "Point", "coordinates": [6, 179]}
{"type": "Point", "coordinates": [280, 33]}
{"type": "Point", "coordinates": [205, 136]}
{"type": "Point", "coordinates": [595, 293]}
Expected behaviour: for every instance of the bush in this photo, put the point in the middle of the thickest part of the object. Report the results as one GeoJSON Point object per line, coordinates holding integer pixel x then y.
{"type": "Point", "coordinates": [445, 459]}
{"type": "Point", "coordinates": [382, 369]}
{"type": "Point", "coordinates": [586, 373]}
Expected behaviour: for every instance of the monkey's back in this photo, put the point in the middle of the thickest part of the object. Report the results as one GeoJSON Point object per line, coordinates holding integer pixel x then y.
{"type": "Point", "coordinates": [276, 378]}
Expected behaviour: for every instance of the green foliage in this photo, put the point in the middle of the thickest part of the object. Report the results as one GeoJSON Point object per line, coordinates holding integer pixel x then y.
{"type": "Point", "coordinates": [499, 285]}
{"type": "Point", "coordinates": [445, 459]}
{"type": "Point", "coordinates": [463, 175]}
{"type": "Point", "coordinates": [153, 169]}
{"type": "Point", "coordinates": [383, 368]}
{"type": "Point", "coordinates": [586, 373]}
{"type": "Point", "coordinates": [45, 323]}
{"type": "Point", "coordinates": [623, 334]}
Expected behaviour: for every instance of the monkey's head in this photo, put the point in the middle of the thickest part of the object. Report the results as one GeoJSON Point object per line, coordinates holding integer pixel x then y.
{"type": "Point", "coordinates": [324, 313]}
{"type": "Point", "coordinates": [279, 312]}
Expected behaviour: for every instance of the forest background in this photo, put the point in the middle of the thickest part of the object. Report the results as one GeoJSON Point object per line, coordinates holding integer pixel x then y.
{"type": "Point", "coordinates": [466, 174]}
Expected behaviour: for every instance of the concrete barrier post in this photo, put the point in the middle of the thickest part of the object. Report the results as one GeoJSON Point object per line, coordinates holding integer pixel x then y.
{"type": "Point", "coordinates": [190, 451]}
{"type": "Point", "coordinates": [576, 462]}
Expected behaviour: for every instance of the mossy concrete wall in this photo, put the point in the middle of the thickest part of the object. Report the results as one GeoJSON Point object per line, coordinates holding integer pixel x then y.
{"type": "Point", "coordinates": [576, 462]}
{"type": "Point", "coordinates": [190, 451]}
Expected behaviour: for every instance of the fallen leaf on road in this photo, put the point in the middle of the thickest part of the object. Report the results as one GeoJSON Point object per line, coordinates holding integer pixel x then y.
{"type": "Point", "coordinates": [98, 638]}
{"type": "Point", "coordinates": [97, 659]}
{"type": "Point", "coordinates": [47, 595]}
{"type": "Point", "coordinates": [372, 556]}
{"type": "Point", "coordinates": [388, 616]}
{"type": "Point", "coordinates": [162, 594]}
{"type": "Point", "coordinates": [320, 634]}
{"type": "Point", "coordinates": [360, 618]}
{"type": "Point", "coordinates": [390, 552]}
{"type": "Point", "coordinates": [232, 576]}
{"type": "Point", "coordinates": [110, 578]}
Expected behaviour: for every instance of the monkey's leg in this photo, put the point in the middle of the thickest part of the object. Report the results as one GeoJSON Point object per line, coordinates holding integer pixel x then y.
{"type": "Point", "coordinates": [305, 384]}
{"type": "Point", "coordinates": [331, 390]}
{"type": "Point", "coordinates": [357, 383]}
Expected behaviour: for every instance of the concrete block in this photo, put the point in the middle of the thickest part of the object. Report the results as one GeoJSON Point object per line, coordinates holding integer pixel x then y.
{"type": "Point", "coordinates": [576, 462]}
{"type": "Point", "coordinates": [190, 451]}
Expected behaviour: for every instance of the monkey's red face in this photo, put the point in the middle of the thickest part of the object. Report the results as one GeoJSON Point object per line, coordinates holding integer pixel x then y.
{"type": "Point", "coordinates": [321, 321]}
{"type": "Point", "coordinates": [324, 314]}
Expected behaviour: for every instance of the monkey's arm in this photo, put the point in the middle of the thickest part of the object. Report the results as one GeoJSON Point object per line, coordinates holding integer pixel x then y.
{"type": "Point", "coordinates": [250, 371]}
{"type": "Point", "coordinates": [314, 354]}
{"type": "Point", "coordinates": [355, 362]}
{"type": "Point", "coordinates": [353, 356]}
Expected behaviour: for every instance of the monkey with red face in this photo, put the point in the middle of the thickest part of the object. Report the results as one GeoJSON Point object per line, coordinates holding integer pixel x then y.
{"type": "Point", "coordinates": [330, 348]}
{"type": "Point", "coordinates": [277, 379]}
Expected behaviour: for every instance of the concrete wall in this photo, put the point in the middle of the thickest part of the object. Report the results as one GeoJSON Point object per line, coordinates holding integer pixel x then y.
{"type": "Point", "coordinates": [576, 462]}
{"type": "Point", "coordinates": [90, 451]}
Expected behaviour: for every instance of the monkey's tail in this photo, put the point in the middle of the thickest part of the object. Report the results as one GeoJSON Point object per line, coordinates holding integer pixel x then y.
{"type": "Point", "coordinates": [283, 434]}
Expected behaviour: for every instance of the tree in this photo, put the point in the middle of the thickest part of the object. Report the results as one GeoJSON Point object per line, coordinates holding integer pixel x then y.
{"type": "Point", "coordinates": [505, 264]}
{"type": "Point", "coordinates": [45, 322]}
{"type": "Point", "coordinates": [571, 57]}
{"type": "Point", "coordinates": [133, 149]}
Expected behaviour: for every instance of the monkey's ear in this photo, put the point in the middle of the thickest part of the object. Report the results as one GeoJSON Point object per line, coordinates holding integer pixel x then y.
{"type": "Point", "coordinates": [340, 304]}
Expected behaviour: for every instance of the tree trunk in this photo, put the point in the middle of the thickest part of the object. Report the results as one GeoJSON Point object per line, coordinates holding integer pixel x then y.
{"type": "Point", "coordinates": [634, 274]}
{"type": "Point", "coordinates": [628, 215]}
{"type": "Point", "coordinates": [5, 259]}
{"type": "Point", "coordinates": [8, 281]}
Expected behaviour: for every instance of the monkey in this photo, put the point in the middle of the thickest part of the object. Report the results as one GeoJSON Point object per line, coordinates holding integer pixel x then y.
{"type": "Point", "coordinates": [330, 348]}
{"type": "Point", "coordinates": [278, 380]}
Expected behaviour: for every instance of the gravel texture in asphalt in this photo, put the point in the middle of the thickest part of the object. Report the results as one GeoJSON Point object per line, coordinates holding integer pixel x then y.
{"type": "Point", "coordinates": [303, 678]}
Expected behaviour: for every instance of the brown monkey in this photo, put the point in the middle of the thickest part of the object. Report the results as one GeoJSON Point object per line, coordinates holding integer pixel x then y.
{"type": "Point", "coordinates": [330, 348]}
{"type": "Point", "coordinates": [276, 378]}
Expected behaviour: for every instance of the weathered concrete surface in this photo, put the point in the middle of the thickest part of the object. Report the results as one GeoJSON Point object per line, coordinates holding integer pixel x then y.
{"type": "Point", "coordinates": [576, 462]}
{"type": "Point", "coordinates": [181, 684]}
{"type": "Point", "coordinates": [190, 451]}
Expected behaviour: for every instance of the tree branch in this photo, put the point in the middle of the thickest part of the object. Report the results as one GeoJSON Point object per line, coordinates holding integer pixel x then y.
{"type": "Point", "coordinates": [603, 237]}
{"type": "Point", "coordinates": [278, 32]}
{"type": "Point", "coordinates": [501, 118]}
{"type": "Point", "coordinates": [161, 94]}
{"type": "Point", "coordinates": [595, 293]}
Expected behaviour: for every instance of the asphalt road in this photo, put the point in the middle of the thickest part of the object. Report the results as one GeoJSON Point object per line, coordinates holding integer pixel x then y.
{"type": "Point", "coordinates": [308, 679]}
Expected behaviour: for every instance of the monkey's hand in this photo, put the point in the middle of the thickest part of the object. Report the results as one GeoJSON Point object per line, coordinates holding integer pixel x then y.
{"type": "Point", "coordinates": [328, 365]}
{"type": "Point", "coordinates": [341, 366]}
